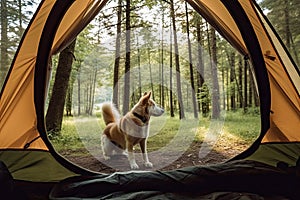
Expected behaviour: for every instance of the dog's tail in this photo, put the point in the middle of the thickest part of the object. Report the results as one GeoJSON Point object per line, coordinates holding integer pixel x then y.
{"type": "Point", "coordinates": [110, 113]}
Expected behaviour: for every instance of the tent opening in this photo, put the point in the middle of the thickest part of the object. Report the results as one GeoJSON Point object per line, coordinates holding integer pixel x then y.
{"type": "Point", "coordinates": [217, 90]}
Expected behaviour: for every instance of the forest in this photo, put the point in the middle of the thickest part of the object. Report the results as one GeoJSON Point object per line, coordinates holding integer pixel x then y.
{"type": "Point", "coordinates": [136, 46]}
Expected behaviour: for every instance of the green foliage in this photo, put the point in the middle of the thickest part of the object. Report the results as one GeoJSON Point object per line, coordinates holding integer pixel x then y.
{"type": "Point", "coordinates": [165, 135]}
{"type": "Point", "coordinates": [285, 18]}
{"type": "Point", "coordinates": [68, 138]}
{"type": "Point", "coordinates": [204, 98]}
{"type": "Point", "coordinates": [244, 126]}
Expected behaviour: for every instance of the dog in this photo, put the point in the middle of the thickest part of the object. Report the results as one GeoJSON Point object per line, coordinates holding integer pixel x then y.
{"type": "Point", "coordinates": [121, 134]}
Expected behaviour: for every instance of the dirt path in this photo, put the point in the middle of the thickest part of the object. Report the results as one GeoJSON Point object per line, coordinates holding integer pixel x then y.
{"type": "Point", "coordinates": [166, 161]}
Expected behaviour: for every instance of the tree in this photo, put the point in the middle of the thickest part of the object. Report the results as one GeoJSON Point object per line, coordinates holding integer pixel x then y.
{"type": "Point", "coordinates": [4, 41]}
{"type": "Point", "coordinates": [84, 47]}
{"type": "Point", "coordinates": [284, 16]}
{"type": "Point", "coordinates": [126, 94]}
{"type": "Point", "coordinates": [240, 81]}
{"type": "Point", "coordinates": [161, 71]}
{"type": "Point", "coordinates": [177, 64]}
{"type": "Point", "coordinates": [171, 75]}
{"type": "Point", "coordinates": [117, 56]}
{"type": "Point", "coordinates": [57, 101]}
{"type": "Point", "coordinates": [90, 70]}
{"type": "Point", "coordinates": [78, 88]}
{"type": "Point", "coordinates": [245, 104]}
{"type": "Point", "coordinates": [231, 61]}
{"type": "Point", "coordinates": [200, 63]}
{"type": "Point", "coordinates": [14, 16]}
{"type": "Point", "coordinates": [215, 93]}
{"type": "Point", "coordinates": [190, 62]}
{"type": "Point", "coordinates": [69, 101]}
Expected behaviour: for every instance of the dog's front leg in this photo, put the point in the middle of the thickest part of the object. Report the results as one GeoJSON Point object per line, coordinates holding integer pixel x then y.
{"type": "Point", "coordinates": [143, 145]}
{"type": "Point", "coordinates": [131, 158]}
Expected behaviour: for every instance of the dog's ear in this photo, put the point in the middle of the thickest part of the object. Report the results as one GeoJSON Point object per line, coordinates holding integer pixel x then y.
{"type": "Point", "coordinates": [147, 93]}
{"type": "Point", "coordinates": [146, 97]}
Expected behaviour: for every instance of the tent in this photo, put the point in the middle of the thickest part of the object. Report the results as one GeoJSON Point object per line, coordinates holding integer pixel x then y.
{"type": "Point", "coordinates": [31, 167]}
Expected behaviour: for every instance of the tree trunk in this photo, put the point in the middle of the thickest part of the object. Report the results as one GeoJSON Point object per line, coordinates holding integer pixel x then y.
{"type": "Point", "coordinates": [215, 93]}
{"type": "Point", "coordinates": [254, 94]}
{"type": "Point", "coordinates": [139, 68]}
{"type": "Point", "coordinates": [150, 71]}
{"type": "Point", "coordinates": [191, 64]}
{"type": "Point", "coordinates": [227, 92]}
{"type": "Point", "coordinates": [223, 87]}
{"type": "Point", "coordinates": [245, 85]}
{"type": "Point", "coordinates": [178, 80]}
{"type": "Point", "coordinates": [117, 57]}
{"type": "Point", "coordinates": [161, 72]}
{"type": "Point", "coordinates": [200, 64]}
{"type": "Point", "coordinates": [127, 61]}
{"type": "Point", "coordinates": [288, 35]}
{"type": "Point", "coordinates": [250, 93]}
{"type": "Point", "coordinates": [87, 101]}
{"type": "Point", "coordinates": [55, 110]}
{"type": "Point", "coordinates": [69, 100]}
{"type": "Point", "coordinates": [79, 91]}
{"type": "Point", "coordinates": [240, 88]}
{"type": "Point", "coordinates": [20, 18]}
{"type": "Point", "coordinates": [171, 75]}
{"type": "Point", "coordinates": [4, 42]}
{"type": "Point", "coordinates": [231, 58]}
{"type": "Point", "coordinates": [91, 92]}
{"type": "Point", "coordinates": [287, 24]}
{"type": "Point", "coordinates": [161, 87]}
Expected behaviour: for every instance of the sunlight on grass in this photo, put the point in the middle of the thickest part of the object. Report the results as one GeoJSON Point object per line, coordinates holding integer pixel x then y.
{"type": "Point", "coordinates": [175, 133]}
{"type": "Point", "coordinates": [78, 134]}
{"type": "Point", "coordinates": [239, 131]}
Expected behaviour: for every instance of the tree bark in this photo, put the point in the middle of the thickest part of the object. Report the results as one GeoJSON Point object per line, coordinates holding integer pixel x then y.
{"type": "Point", "coordinates": [69, 100]}
{"type": "Point", "coordinates": [79, 90]}
{"type": "Point", "coordinates": [171, 75]}
{"type": "Point", "coordinates": [117, 57]}
{"type": "Point", "coordinates": [245, 86]}
{"type": "Point", "coordinates": [161, 87]}
{"type": "Point", "coordinates": [250, 93]}
{"type": "Point", "coordinates": [178, 79]}
{"type": "Point", "coordinates": [20, 18]}
{"type": "Point", "coordinates": [231, 58]}
{"type": "Point", "coordinates": [126, 96]}
{"type": "Point", "coordinates": [150, 71]}
{"type": "Point", "coordinates": [55, 110]}
{"type": "Point", "coordinates": [215, 93]}
{"type": "Point", "coordinates": [139, 67]}
{"type": "Point", "coordinates": [200, 64]}
{"type": "Point", "coordinates": [191, 63]}
{"type": "Point", "coordinates": [4, 41]}
{"type": "Point", "coordinates": [240, 88]}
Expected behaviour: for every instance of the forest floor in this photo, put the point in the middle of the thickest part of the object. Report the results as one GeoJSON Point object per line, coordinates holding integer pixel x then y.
{"type": "Point", "coordinates": [188, 158]}
{"type": "Point", "coordinates": [170, 148]}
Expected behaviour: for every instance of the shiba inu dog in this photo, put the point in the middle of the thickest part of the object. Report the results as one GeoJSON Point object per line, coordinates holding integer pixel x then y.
{"type": "Point", "coordinates": [122, 133]}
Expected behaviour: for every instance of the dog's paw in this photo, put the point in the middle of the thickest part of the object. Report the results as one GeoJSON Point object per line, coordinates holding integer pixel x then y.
{"type": "Point", "coordinates": [125, 153]}
{"type": "Point", "coordinates": [106, 157]}
{"type": "Point", "coordinates": [134, 165]}
{"type": "Point", "coordinates": [148, 164]}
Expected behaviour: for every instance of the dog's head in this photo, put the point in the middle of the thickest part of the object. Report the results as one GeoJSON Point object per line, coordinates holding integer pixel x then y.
{"type": "Point", "coordinates": [146, 107]}
{"type": "Point", "coordinates": [153, 108]}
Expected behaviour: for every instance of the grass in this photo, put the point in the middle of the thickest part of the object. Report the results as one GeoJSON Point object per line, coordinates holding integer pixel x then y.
{"type": "Point", "coordinates": [244, 126]}
{"type": "Point", "coordinates": [81, 135]}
